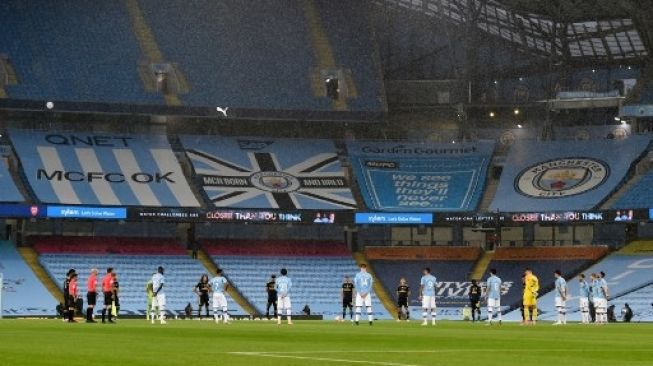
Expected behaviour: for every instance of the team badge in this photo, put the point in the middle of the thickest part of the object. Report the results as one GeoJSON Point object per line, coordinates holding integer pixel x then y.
{"type": "Point", "coordinates": [561, 177]}
{"type": "Point", "coordinates": [277, 182]}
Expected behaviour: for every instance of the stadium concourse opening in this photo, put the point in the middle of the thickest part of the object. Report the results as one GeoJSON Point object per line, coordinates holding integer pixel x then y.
{"type": "Point", "coordinates": [387, 182]}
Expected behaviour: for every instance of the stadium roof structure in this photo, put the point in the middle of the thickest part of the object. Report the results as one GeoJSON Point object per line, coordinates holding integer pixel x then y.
{"type": "Point", "coordinates": [560, 28]}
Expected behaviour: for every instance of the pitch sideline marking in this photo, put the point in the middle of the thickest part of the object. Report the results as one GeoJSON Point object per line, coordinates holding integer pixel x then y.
{"type": "Point", "coordinates": [280, 355]}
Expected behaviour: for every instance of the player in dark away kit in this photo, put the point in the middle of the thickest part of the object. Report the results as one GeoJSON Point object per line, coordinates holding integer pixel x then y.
{"type": "Point", "coordinates": [347, 297]}
{"type": "Point", "coordinates": [270, 288]}
{"type": "Point", "coordinates": [475, 300]}
{"type": "Point", "coordinates": [202, 291]}
{"type": "Point", "coordinates": [403, 292]}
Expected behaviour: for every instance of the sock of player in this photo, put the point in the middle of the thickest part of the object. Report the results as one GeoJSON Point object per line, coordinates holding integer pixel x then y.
{"type": "Point", "coordinates": [162, 313]}
{"type": "Point", "coordinates": [433, 316]}
{"type": "Point", "coordinates": [358, 313]}
{"type": "Point", "coordinates": [225, 315]}
{"type": "Point", "coordinates": [425, 313]}
{"type": "Point", "coordinates": [490, 313]}
{"type": "Point", "coordinates": [104, 313]}
{"type": "Point", "coordinates": [370, 316]}
{"type": "Point", "coordinates": [289, 315]}
{"type": "Point", "coordinates": [527, 313]}
{"type": "Point", "coordinates": [534, 314]}
{"type": "Point", "coordinates": [216, 314]}
{"type": "Point", "coordinates": [564, 317]}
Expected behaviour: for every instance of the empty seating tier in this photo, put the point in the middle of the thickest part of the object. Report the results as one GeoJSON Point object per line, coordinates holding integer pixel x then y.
{"type": "Point", "coordinates": [628, 273]}
{"type": "Point", "coordinates": [316, 269]}
{"type": "Point", "coordinates": [451, 266]}
{"type": "Point", "coordinates": [134, 261]}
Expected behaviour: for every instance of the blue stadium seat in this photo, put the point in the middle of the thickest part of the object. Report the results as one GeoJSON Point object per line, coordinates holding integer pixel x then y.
{"type": "Point", "coordinates": [74, 51]}
{"type": "Point", "coordinates": [22, 293]}
{"type": "Point", "coordinates": [638, 196]}
{"type": "Point", "coordinates": [626, 275]}
{"type": "Point", "coordinates": [316, 281]}
{"type": "Point", "coordinates": [134, 271]}
{"type": "Point", "coordinates": [640, 301]}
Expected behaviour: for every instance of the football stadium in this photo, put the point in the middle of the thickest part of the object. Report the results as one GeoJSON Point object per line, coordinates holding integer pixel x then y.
{"type": "Point", "coordinates": [326, 182]}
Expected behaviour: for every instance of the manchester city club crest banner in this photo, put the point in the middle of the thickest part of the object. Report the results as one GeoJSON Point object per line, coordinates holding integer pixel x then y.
{"type": "Point", "coordinates": [421, 177]}
{"type": "Point", "coordinates": [85, 168]}
{"type": "Point", "coordinates": [564, 175]}
{"type": "Point", "coordinates": [248, 172]}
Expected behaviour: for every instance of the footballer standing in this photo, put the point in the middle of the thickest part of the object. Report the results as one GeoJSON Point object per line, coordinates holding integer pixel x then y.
{"type": "Point", "coordinates": [475, 300]}
{"type": "Point", "coordinates": [363, 283]}
{"type": "Point", "coordinates": [283, 285]}
{"type": "Point", "coordinates": [347, 297]}
{"type": "Point", "coordinates": [159, 295]}
{"type": "Point", "coordinates": [271, 291]}
{"type": "Point", "coordinates": [403, 292]}
{"type": "Point", "coordinates": [427, 287]}
{"type": "Point", "coordinates": [202, 291]}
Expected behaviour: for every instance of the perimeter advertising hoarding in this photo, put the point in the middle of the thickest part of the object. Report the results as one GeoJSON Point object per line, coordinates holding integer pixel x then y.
{"type": "Point", "coordinates": [240, 215]}
{"type": "Point", "coordinates": [80, 212]}
{"type": "Point", "coordinates": [21, 210]}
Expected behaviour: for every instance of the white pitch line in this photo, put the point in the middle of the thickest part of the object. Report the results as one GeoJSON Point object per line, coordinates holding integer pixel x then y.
{"type": "Point", "coordinates": [278, 355]}
{"type": "Point", "coordinates": [449, 350]}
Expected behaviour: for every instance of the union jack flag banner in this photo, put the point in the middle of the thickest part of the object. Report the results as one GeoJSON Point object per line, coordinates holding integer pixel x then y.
{"type": "Point", "coordinates": [245, 172]}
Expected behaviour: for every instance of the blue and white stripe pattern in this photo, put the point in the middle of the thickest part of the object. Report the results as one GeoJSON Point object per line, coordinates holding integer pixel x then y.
{"type": "Point", "coordinates": [96, 169]}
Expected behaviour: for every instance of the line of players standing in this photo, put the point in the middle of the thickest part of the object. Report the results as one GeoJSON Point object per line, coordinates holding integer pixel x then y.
{"type": "Point", "coordinates": [593, 297]}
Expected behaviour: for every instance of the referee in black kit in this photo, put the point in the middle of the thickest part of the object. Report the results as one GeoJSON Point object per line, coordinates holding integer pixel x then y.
{"type": "Point", "coordinates": [272, 296]}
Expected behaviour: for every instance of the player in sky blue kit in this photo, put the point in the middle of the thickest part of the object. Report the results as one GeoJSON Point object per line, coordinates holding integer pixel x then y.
{"type": "Point", "coordinates": [584, 299]}
{"type": "Point", "coordinates": [159, 299]}
{"type": "Point", "coordinates": [562, 292]}
{"type": "Point", "coordinates": [363, 284]}
{"type": "Point", "coordinates": [493, 294]}
{"type": "Point", "coordinates": [219, 286]}
{"type": "Point", "coordinates": [600, 297]}
{"type": "Point", "coordinates": [283, 285]}
{"type": "Point", "coordinates": [427, 287]}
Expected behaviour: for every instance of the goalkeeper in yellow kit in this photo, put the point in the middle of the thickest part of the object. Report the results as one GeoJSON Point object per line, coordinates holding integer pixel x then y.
{"type": "Point", "coordinates": [531, 287]}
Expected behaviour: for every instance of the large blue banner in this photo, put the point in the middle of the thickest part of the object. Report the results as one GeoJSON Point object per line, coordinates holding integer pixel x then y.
{"type": "Point", "coordinates": [564, 175]}
{"type": "Point", "coordinates": [248, 172]}
{"type": "Point", "coordinates": [8, 190]}
{"type": "Point", "coordinates": [421, 177]}
{"type": "Point", "coordinates": [102, 169]}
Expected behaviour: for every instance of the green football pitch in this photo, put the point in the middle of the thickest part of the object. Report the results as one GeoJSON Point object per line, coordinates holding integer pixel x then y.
{"type": "Point", "coordinates": [313, 343]}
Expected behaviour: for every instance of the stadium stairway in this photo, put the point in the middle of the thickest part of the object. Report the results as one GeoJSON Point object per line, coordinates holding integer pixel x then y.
{"type": "Point", "coordinates": [323, 52]}
{"type": "Point", "coordinates": [379, 289]}
{"type": "Point", "coordinates": [491, 186]}
{"type": "Point", "coordinates": [480, 268]}
{"type": "Point", "coordinates": [149, 46]}
{"type": "Point", "coordinates": [31, 257]}
{"type": "Point", "coordinates": [211, 267]}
